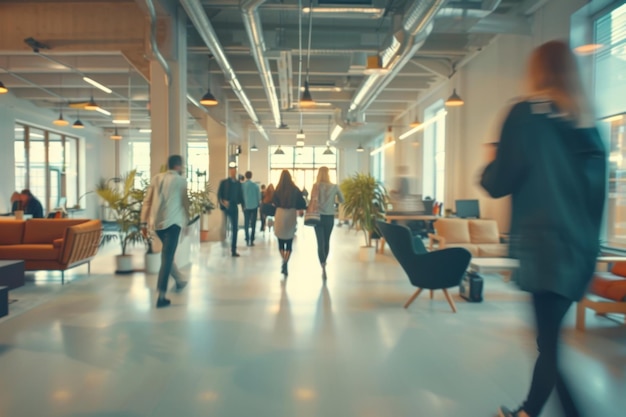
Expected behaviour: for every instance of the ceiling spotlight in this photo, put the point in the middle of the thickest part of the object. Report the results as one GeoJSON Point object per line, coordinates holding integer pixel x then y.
{"type": "Point", "coordinates": [91, 105]}
{"type": "Point", "coordinates": [454, 100]}
{"type": "Point", "coordinates": [3, 89]}
{"type": "Point", "coordinates": [115, 135]}
{"type": "Point", "coordinates": [279, 151]}
{"type": "Point", "coordinates": [306, 100]}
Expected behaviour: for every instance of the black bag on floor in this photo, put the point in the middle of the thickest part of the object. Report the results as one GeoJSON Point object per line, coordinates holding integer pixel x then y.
{"type": "Point", "coordinates": [471, 287]}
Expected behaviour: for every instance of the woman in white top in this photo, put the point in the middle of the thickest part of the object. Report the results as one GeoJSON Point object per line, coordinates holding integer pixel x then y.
{"type": "Point", "coordinates": [328, 194]}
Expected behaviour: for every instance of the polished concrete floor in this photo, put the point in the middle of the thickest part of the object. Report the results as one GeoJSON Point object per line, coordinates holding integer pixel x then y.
{"type": "Point", "coordinates": [240, 342]}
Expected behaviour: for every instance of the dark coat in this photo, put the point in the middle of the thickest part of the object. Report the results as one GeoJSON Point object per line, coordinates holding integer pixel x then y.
{"type": "Point", "coordinates": [230, 190]}
{"type": "Point", "coordinates": [34, 208]}
{"type": "Point", "coordinates": [556, 174]}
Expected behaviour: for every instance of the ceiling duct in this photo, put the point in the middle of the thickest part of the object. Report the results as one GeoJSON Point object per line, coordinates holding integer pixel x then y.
{"type": "Point", "coordinates": [416, 25]}
{"type": "Point", "coordinates": [198, 17]}
{"type": "Point", "coordinates": [252, 23]}
{"type": "Point", "coordinates": [462, 16]}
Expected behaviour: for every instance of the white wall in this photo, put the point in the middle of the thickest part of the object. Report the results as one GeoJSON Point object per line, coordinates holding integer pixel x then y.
{"type": "Point", "coordinates": [489, 84]}
{"type": "Point", "coordinates": [96, 154]}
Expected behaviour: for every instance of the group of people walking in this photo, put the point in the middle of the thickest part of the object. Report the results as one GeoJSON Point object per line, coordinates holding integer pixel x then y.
{"type": "Point", "coordinates": [283, 204]}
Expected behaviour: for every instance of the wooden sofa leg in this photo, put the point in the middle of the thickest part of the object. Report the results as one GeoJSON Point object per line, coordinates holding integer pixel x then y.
{"type": "Point", "coordinates": [450, 300]}
{"type": "Point", "coordinates": [89, 268]}
{"type": "Point", "coordinates": [413, 297]}
{"type": "Point", "coordinates": [580, 316]}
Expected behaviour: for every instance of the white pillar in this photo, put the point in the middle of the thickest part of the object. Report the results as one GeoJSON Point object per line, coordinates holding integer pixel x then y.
{"type": "Point", "coordinates": [218, 170]}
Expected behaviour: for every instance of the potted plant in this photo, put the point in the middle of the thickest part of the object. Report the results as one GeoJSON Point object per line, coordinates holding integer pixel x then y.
{"type": "Point", "coordinates": [365, 200]}
{"type": "Point", "coordinates": [124, 201]}
{"type": "Point", "coordinates": [200, 204]}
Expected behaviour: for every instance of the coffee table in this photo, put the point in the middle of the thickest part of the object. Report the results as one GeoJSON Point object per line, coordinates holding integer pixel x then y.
{"type": "Point", "coordinates": [12, 274]}
{"type": "Point", "coordinates": [504, 266]}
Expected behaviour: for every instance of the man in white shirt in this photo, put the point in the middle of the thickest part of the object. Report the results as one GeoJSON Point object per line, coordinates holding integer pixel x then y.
{"type": "Point", "coordinates": [165, 209]}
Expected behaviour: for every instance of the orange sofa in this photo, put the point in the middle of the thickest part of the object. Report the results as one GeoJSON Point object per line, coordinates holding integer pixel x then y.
{"type": "Point", "coordinates": [50, 244]}
{"type": "Point", "coordinates": [607, 294]}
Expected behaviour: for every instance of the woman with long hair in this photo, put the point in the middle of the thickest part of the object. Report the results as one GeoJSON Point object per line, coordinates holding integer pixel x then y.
{"type": "Point", "coordinates": [327, 195]}
{"type": "Point", "coordinates": [267, 205]}
{"type": "Point", "coordinates": [288, 200]}
{"type": "Point", "coordinates": [552, 162]}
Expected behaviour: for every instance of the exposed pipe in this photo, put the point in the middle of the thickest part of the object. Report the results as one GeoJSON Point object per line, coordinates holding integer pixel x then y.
{"type": "Point", "coordinates": [198, 17]}
{"type": "Point", "coordinates": [415, 28]}
{"type": "Point", "coordinates": [154, 44]}
{"type": "Point", "coordinates": [252, 23]}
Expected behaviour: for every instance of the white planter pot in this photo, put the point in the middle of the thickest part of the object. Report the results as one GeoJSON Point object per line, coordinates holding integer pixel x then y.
{"type": "Point", "coordinates": [153, 263]}
{"type": "Point", "coordinates": [367, 253]}
{"type": "Point", "coordinates": [124, 264]}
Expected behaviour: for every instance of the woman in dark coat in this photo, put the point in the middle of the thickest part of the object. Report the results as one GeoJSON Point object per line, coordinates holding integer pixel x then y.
{"type": "Point", "coordinates": [553, 163]}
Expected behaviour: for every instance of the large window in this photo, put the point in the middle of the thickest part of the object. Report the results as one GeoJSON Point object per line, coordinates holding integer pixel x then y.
{"type": "Point", "coordinates": [434, 152]}
{"type": "Point", "coordinates": [198, 165]}
{"type": "Point", "coordinates": [303, 163]}
{"type": "Point", "coordinates": [47, 164]}
{"type": "Point", "coordinates": [139, 159]}
{"type": "Point", "coordinates": [378, 161]}
{"type": "Point", "coordinates": [610, 90]}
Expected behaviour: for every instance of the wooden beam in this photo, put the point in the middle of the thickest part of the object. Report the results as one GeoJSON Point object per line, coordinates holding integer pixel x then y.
{"type": "Point", "coordinates": [75, 27]}
{"type": "Point", "coordinates": [137, 58]}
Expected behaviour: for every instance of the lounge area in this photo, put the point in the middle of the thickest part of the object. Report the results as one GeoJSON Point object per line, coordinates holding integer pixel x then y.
{"type": "Point", "coordinates": [404, 302]}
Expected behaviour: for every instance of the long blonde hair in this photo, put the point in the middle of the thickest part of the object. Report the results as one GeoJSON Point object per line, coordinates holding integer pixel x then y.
{"type": "Point", "coordinates": [553, 72]}
{"type": "Point", "coordinates": [323, 175]}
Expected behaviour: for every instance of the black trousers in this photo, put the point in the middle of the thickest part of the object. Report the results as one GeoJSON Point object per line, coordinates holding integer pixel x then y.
{"type": "Point", "coordinates": [549, 308]}
{"type": "Point", "coordinates": [322, 232]}
{"type": "Point", "coordinates": [233, 219]}
{"type": "Point", "coordinates": [249, 222]}
{"type": "Point", "coordinates": [169, 238]}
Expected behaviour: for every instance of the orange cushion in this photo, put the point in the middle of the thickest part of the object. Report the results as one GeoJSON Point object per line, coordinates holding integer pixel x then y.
{"type": "Point", "coordinates": [11, 232]}
{"type": "Point", "coordinates": [29, 252]}
{"type": "Point", "coordinates": [608, 285]}
{"type": "Point", "coordinates": [41, 231]}
{"type": "Point", "coordinates": [484, 231]}
{"type": "Point", "coordinates": [453, 230]}
{"type": "Point", "coordinates": [619, 268]}
{"type": "Point", "coordinates": [57, 243]}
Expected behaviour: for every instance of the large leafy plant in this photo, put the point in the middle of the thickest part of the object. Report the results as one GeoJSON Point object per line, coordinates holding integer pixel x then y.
{"type": "Point", "coordinates": [200, 201]}
{"type": "Point", "coordinates": [365, 201]}
{"type": "Point", "coordinates": [125, 201]}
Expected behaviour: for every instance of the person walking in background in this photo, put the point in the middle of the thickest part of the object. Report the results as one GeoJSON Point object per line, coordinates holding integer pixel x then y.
{"type": "Point", "coordinates": [31, 205]}
{"type": "Point", "coordinates": [327, 195]}
{"type": "Point", "coordinates": [165, 209]}
{"type": "Point", "coordinates": [251, 200]}
{"type": "Point", "coordinates": [263, 187]}
{"type": "Point", "coordinates": [230, 196]}
{"type": "Point", "coordinates": [268, 209]}
{"type": "Point", "coordinates": [549, 152]}
{"type": "Point", "coordinates": [288, 200]}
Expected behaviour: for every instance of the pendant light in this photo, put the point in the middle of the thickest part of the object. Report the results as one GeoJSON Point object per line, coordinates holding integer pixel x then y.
{"type": "Point", "coordinates": [307, 100]}
{"type": "Point", "coordinates": [454, 100]}
{"type": "Point", "coordinates": [78, 124]}
{"type": "Point", "coordinates": [360, 148]}
{"type": "Point", "coordinates": [61, 121]}
{"type": "Point", "coordinates": [254, 148]}
{"type": "Point", "coordinates": [279, 151]}
{"type": "Point", "coordinates": [3, 89]}
{"type": "Point", "coordinates": [328, 151]}
{"type": "Point", "coordinates": [116, 135]}
{"type": "Point", "coordinates": [91, 105]}
{"type": "Point", "coordinates": [208, 99]}
{"type": "Point", "coordinates": [415, 123]}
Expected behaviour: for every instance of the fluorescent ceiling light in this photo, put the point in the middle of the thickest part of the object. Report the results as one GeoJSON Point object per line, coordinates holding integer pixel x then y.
{"type": "Point", "coordinates": [145, 130]}
{"type": "Point", "coordinates": [98, 85]}
{"type": "Point", "coordinates": [121, 121]}
{"type": "Point", "coordinates": [36, 135]}
{"type": "Point", "coordinates": [19, 129]}
{"type": "Point", "coordinates": [101, 110]}
{"type": "Point", "coordinates": [323, 88]}
{"type": "Point", "coordinates": [299, 143]}
{"type": "Point", "coordinates": [615, 118]}
{"type": "Point", "coordinates": [382, 148]}
{"type": "Point", "coordinates": [373, 11]}
{"type": "Point", "coordinates": [336, 132]}
{"type": "Point", "coordinates": [588, 49]}
{"type": "Point", "coordinates": [427, 123]}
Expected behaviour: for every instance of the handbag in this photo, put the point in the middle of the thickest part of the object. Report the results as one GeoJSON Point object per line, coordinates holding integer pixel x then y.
{"type": "Point", "coordinates": [312, 217]}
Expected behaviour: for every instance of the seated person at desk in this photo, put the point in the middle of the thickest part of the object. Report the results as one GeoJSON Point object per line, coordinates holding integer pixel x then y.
{"type": "Point", "coordinates": [31, 205]}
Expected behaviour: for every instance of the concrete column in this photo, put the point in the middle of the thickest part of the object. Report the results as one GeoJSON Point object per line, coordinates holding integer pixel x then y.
{"type": "Point", "coordinates": [168, 102]}
{"type": "Point", "coordinates": [218, 170]}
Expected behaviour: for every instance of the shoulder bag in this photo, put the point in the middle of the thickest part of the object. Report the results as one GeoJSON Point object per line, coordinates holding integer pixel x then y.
{"type": "Point", "coordinates": [312, 216]}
